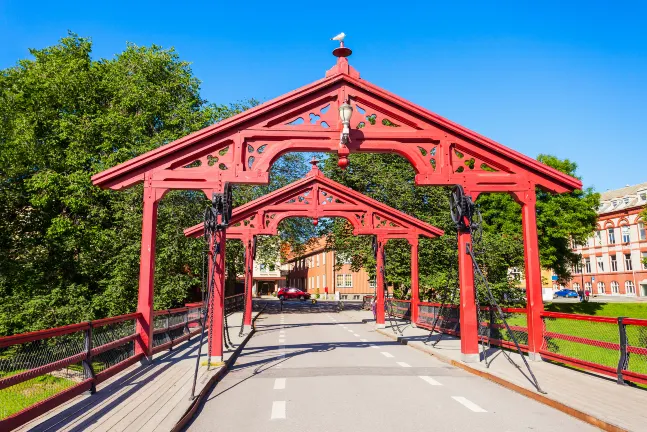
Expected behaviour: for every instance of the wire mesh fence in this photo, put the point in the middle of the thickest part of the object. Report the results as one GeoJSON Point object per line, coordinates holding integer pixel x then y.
{"type": "Point", "coordinates": [41, 370]}
{"type": "Point", "coordinates": [611, 346]}
{"type": "Point", "coordinates": [59, 363]}
{"type": "Point", "coordinates": [173, 326]}
{"type": "Point", "coordinates": [491, 326]}
{"type": "Point", "coordinates": [400, 308]}
{"type": "Point", "coordinates": [234, 303]}
{"type": "Point", "coordinates": [445, 317]}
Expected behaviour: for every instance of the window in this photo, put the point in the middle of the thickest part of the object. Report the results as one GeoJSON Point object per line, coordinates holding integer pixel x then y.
{"type": "Point", "coordinates": [625, 200]}
{"type": "Point", "coordinates": [577, 269]}
{"type": "Point", "coordinates": [324, 257]}
{"type": "Point", "coordinates": [576, 286]}
{"type": "Point", "coordinates": [317, 281]}
{"type": "Point", "coordinates": [345, 280]}
{"type": "Point", "coordinates": [600, 287]}
{"type": "Point", "coordinates": [600, 264]}
{"type": "Point", "coordinates": [356, 297]}
{"type": "Point", "coordinates": [323, 280]}
{"type": "Point", "coordinates": [643, 196]}
{"type": "Point", "coordinates": [615, 288]}
{"type": "Point", "coordinates": [643, 258]}
{"type": "Point", "coordinates": [371, 282]}
{"type": "Point", "coordinates": [349, 280]}
{"type": "Point", "coordinates": [317, 260]}
{"type": "Point", "coordinates": [642, 234]}
{"type": "Point", "coordinates": [340, 280]}
{"type": "Point", "coordinates": [598, 237]}
{"type": "Point", "coordinates": [587, 263]}
{"type": "Point", "coordinates": [628, 262]}
{"type": "Point", "coordinates": [630, 288]}
{"type": "Point", "coordinates": [614, 263]}
{"type": "Point", "coordinates": [612, 236]}
{"type": "Point", "coordinates": [626, 238]}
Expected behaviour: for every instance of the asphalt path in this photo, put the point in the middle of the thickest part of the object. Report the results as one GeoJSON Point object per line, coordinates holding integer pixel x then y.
{"type": "Point", "coordinates": [308, 369]}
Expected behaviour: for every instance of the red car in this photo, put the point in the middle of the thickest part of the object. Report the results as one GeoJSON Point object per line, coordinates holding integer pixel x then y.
{"type": "Point", "coordinates": [292, 293]}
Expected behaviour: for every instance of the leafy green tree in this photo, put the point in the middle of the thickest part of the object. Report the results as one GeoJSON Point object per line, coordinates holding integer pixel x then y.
{"type": "Point", "coordinates": [69, 250]}
{"type": "Point", "coordinates": [390, 179]}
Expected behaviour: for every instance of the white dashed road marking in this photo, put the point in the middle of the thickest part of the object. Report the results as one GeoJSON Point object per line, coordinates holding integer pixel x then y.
{"type": "Point", "coordinates": [375, 346]}
{"type": "Point", "coordinates": [403, 364]}
{"type": "Point", "coordinates": [468, 404]}
{"type": "Point", "coordinates": [278, 410]}
{"type": "Point", "coordinates": [279, 384]}
{"type": "Point", "coordinates": [430, 380]}
{"type": "Point", "coordinates": [363, 340]}
{"type": "Point", "coordinates": [386, 354]}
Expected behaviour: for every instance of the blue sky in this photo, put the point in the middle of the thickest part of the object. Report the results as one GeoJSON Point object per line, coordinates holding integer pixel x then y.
{"type": "Point", "coordinates": [539, 77]}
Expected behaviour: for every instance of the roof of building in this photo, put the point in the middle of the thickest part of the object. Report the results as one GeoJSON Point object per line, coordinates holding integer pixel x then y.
{"type": "Point", "coordinates": [623, 198]}
{"type": "Point", "coordinates": [314, 245]}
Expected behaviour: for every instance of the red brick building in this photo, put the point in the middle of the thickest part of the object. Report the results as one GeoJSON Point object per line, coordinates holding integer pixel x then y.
{"type": "Point", "coordinates": [315, 270]}
{"type": "Point", "coordinates": [612, 258]}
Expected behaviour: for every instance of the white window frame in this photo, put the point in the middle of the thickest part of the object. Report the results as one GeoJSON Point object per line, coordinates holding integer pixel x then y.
{"type": "Point", "coordinates": [611, 235]}
{"type": "Point", "coordinates": [576, 286]}
{"type": "Point", "coordinates": [600, 262]}
{"type": "Point", "coordinates": [348, 280]}
{"type": "Point", "coordinates": [587, 265]}
{"type": "Point", "coordinates": [601, 287]}
{"type": "Point", "coordinates": [324, 257]}
{"type": "Point", "coordinates": [630, 288]}
{"type": "Point", "coordinates": [372, 282]}
{"type": "Point", "coordinates": [614, 263]}
{"type": "Point", "coordinates": [337, 279]}
{"type": "Point", "coordinates": [642, 233]}
{"type": "Point", "coordinates": [615, 287]}
{"type": "Point", "coordinates": [626, 233]}
{"type": "Point", "coordinates": [628, 263]}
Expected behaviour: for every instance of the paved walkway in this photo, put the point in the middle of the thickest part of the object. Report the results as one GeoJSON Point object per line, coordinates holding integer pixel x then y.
{"type": "Point", "coordinates": [591, 394]}
{"type": "Point", "coordinates": [141, 398]}
{"type": "Point", "coordinates": [315, 369]}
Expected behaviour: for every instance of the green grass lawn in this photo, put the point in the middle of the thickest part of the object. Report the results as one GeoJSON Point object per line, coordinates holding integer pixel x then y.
{"type": "Point", "coordinates": [18, 397]}
{"type": "Point", "coordinates": [631, 310]}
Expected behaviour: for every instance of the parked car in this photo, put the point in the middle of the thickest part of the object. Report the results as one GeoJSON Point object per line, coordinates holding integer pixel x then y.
{"type": "Point", "coordinates": [292, 293]}
{"type": "Point", "coordinates": [568, 293]}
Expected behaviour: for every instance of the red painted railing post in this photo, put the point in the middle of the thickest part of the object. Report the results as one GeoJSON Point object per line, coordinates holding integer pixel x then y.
{"type": "Point", "coordinates": [249, 278]}
{"type": "Point", "coordinates": [468, 320]}
{"type": "Point", "coordinates": [379, 282]}
{"type": "Point", "coordinates": [144, 342]}
{"type": "Point", "coordinates": [534, 303]}
{"type": "Point", "coordinates": [415, 294]}
{"type": "Point", "coordinates": [218, 299]}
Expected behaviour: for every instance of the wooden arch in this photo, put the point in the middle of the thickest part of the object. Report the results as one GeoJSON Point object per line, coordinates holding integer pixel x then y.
{"type": "Point", "coordinates": [242, 149]}
{"type": "Point", "coordinates": [316, 196]}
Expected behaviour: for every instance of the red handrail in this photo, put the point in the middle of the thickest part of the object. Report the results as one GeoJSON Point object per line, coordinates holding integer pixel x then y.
{"type": "Point", "coordinates": [578, 317]}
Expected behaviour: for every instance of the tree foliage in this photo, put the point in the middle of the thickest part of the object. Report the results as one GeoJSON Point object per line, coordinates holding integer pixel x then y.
{"type": "Point", "coordinates": [390, 179]}
{"type": "Point", "coordinates": [69, 251]}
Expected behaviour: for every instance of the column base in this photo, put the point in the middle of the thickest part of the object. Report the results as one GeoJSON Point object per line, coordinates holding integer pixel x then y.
{"type": "Point", "coordinates": [380, 326]}
{"type": "Point", "coordinates": [145, 361]}
{"type": "Point", "coordinates": [216, 361]}
{"type": "Point", "coordinates": [535, 357]}
{"type": "Point", "coordinates": [470, 358]}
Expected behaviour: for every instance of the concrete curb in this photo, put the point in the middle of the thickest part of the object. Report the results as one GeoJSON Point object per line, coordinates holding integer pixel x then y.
{"type": "Point", "coordinates": [190, 412]}
{"type": "Point", "coordinates": [587, 418]}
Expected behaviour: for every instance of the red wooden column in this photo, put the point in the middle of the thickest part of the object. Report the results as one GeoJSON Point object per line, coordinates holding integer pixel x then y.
{"type": "Point", "coordinates": [217, 301]}
{"type": "Point", "coordinates": [249, 280]}
{"type": "Point", "coordinates": [468, 316]}
{"type": "Point", "coordinates": [144, 341]}
{"type": "Point", "coordinates": [415, 294]}
{"type": "Point", "coordinates": [379, 282]}
{"type": "Point", "coordinates": [535, 303]}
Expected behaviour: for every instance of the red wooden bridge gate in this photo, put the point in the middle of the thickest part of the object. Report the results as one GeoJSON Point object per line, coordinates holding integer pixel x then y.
{"type": "Point", "coordinates": [242, 149]}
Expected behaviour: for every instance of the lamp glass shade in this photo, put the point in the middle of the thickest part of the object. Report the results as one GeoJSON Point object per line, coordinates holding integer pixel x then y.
{"type": "Point", "coordinates": [345, 112]}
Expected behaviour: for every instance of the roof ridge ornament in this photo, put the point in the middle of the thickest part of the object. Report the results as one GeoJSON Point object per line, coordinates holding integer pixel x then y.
{"type": "Point", "coordinates": [342, 52]}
